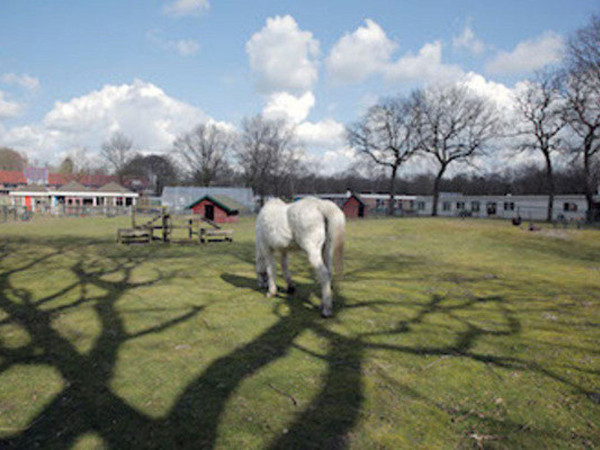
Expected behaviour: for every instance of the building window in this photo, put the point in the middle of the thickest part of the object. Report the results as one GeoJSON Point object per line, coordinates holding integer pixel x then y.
{"type": "Point", "coordinates": [475, 206]}
{"type": "Point", "coordinates": [460, 205]}
{"type": "Point", "coordinates": [569, 207]}
{"type": "Point", "coordinates": [446, 206]}
{"type": "Point", "coordinates": [509, 206]}
{"type": "Point", "coordinates": [421, 206]}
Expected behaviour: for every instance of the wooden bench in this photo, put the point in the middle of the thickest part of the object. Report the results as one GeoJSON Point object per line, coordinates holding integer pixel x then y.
{"type": "Point", "coordinates": [220, 235]}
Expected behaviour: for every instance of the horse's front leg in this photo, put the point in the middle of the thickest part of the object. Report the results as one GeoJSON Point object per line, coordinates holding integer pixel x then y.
{"type": "Point", "coordinates": [316, 261]}
{"type": "Point", "coordinates": [271, 270]}
{"type": "Point", "coordinates": [286, 272]}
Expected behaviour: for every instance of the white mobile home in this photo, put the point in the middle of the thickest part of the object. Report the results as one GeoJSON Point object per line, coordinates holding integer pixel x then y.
{"type": "Point", "coordinates": [528, 207]}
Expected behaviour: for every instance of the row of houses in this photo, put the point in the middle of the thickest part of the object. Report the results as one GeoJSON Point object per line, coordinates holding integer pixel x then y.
{"type": "Point", "coordinates": [73, 195]}
{"type": "Point", "coordinates": [527, 207]}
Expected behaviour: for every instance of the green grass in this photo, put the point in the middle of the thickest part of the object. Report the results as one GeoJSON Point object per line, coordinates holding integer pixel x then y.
{"type": "Point", "coordinates": [447, 334]}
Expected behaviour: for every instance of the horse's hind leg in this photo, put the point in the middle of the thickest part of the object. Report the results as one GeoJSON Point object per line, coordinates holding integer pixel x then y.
{"type": "Point", "coordinates": [286, 272]}
{"type": "Point", "coordinates": [271, 269]}
{"type": "Point", "coordinates": [316, 260]}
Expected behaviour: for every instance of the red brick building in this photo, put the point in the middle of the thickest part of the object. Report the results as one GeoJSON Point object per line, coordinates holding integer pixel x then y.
{"type": "Point", "coordinates": [218, 208]}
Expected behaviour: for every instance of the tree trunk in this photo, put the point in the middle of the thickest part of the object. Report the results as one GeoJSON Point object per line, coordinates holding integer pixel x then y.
{"type": "Point", "coordinates": [587, 186]}
{"type": "Point", "coordinates": [550, 178]}
{"type": "Point", "coordinates": [436, 190]}
{"type": "Point", "coordinates": [392, 191]}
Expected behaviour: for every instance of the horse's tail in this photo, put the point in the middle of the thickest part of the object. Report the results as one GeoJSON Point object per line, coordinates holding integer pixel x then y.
{"type": "Point", "coordinates": [336, 230]}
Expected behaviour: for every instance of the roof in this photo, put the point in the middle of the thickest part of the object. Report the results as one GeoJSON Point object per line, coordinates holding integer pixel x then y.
{"type": "Point", "coordinates": [113, 187]}
{"type": "Point", "coordinates": [31, 188]}
{"type": "Point", "coordinates": [177, 198]}
{"type": "Point", "coordinates": [12, 177]}
{"type": "Point", "coordinates": [225, 202]}
{"type": "Point", "coordinates": [357, 197]}
{"type": "Point", "coordinates": [73, 186]}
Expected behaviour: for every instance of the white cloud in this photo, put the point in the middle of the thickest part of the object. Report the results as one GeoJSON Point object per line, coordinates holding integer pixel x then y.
{"type": "Point", "coordinates": [284, 56]}
{"type": "Point", "coordinates": [425, 66]}
{"type": "Point", "coordinates": [141, 110]}
{"type": "Point", "coordinates": [180, 8]}
{"type": "Point", "coordinates": [282, 105]}
{"type": "Point", "coordinates": [529, 55]}
{"type": "Point", "coordinates": [25, 81]}
{"type": "Point", "coordinates": [369, 51]}
{"type": "Point", "coordinates": [468, 41]}
{"type": "Point", "coordinates": [359, 54]}
{"type": "Point", "coordinates": [330, 162]}
{"type": "Point", "coordinates": [500, 94]}
{"type": "Point", "coordinates": [326, 143]}
{"type": "Point", "coordinates": [184, 47]}
{"type": "Point", "coordinates": [8, 109]}
{"type": "Point", "coordinates": [326, 133]}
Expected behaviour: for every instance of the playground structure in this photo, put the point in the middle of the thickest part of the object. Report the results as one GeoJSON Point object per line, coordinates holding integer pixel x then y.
{"type": "Point", "coordinates": [157, 224]}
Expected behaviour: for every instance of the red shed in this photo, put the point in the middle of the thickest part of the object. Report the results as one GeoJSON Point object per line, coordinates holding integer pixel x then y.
{"type": "Point", "coordinates": [218, 208]}
{"type": "Point", "coordinates": [354, 207]}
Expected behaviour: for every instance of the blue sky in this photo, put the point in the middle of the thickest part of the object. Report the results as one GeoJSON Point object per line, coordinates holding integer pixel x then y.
{"type": "Point", "coordinates": [73, 72]}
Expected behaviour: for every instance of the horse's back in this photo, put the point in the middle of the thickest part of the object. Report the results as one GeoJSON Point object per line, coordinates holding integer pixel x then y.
{"type": "Point", "coordinates": [272, 228]}
{"type": "Point", "coordinates": [307, 222]}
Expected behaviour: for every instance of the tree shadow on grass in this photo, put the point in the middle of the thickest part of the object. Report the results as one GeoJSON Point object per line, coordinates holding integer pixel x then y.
{"type": "Point", "coordinates": [87, 403]}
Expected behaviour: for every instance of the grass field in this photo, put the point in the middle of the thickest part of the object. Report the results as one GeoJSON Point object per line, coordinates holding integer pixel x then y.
{"type": "Point", "coordinates": [447, 334]}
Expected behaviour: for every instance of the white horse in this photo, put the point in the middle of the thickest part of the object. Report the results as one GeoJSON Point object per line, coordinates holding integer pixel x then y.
{"type": "Point", "coordinates": [316, 226]}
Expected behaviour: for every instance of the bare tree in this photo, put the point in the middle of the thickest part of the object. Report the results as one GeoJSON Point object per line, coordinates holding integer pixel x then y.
{"type": "Point", "coordinates": [453, 125]}
{"type": "Point", "coordinates": [204, 151]}
{"type": "Point", "coordinates": [540, 109]}
{"type": "Point", "coordinates": [583, 49]}
{"type": "Point", "coordinates": [11, 159]}
{"type": "Point", "coordinates": [385, 136]}
{"type": "Point", "coordinates": [158, 170]}
{"type": "Point", "coordinates": [268, 153]}
{"type": "Point", "coordinates": [117, 151]}
{"type": "Point", "coordinates": [583, 99]}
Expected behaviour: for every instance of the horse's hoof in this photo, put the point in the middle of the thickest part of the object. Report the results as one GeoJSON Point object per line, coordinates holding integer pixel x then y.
{"type": "Point", "coordinates": [325, 313]}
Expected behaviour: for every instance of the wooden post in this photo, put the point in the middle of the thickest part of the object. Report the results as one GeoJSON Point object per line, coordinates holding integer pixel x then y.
{"type": "Point", "coordinates": [133, 217]}
{"type": "Point", "coordinates": [165, 226]}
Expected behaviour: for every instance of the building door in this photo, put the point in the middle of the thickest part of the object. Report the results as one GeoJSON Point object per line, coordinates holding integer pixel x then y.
{"type": "Point", "coordinates": [361, 210]}
{"type": "Point", "coordinates": [28, 203]}
{"type": "Point", "coordinates": [209, 212]}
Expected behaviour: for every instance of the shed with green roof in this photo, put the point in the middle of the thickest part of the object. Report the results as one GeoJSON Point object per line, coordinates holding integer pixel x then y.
{"type": "Point", "coordinates": [217, 208]}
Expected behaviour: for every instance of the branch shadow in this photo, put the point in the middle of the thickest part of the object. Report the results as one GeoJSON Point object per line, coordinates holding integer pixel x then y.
{"type": "Point", "coordinates": [88, 404]}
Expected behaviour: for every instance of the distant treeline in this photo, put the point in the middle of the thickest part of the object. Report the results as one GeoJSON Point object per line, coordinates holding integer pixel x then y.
{"type": "Point", "coordinates": [521, 181]}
